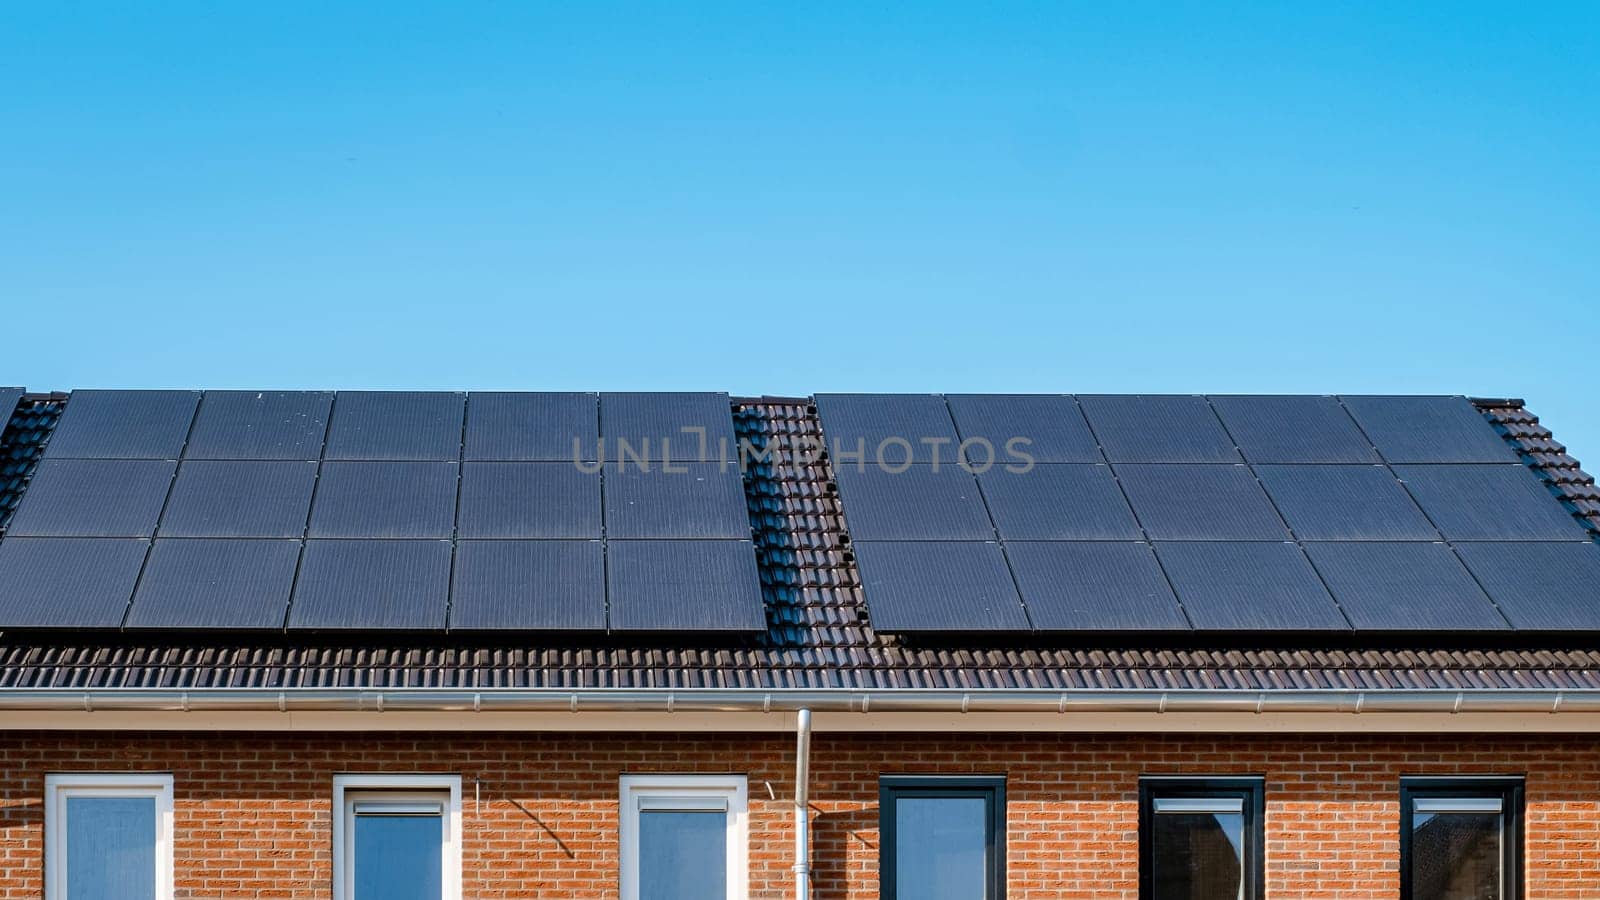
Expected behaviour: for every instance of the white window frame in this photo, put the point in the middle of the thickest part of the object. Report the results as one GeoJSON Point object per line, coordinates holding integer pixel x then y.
{"type": "Point", "coordinates": [59, 787]}
{"type": "Point", "coordinates": [347, 789]}
{"type": "Point", "coordinates": [688, 793]}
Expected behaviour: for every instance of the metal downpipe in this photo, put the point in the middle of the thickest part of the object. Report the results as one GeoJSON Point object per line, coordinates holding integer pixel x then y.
{"type": "Point", "coordinates": [802, 797]}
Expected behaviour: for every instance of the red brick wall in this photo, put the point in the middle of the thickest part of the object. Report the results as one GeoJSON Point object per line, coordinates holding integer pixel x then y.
{"type": "Point", "coordinates": [253, 814]}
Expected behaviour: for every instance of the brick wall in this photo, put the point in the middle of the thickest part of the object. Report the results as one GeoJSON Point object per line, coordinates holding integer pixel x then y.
{"type": "Point", "coordinates": [539, 811]}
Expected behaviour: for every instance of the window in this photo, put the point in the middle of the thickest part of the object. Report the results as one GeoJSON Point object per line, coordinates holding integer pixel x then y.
{"type": "Point", "coordinates": [397, 837]}
{"type": "Point", "coordinates": [1201, 838]}
{"type": "Point", "coordinates": [1460, 838]}
{"type": "Point", "coordinates": [108, 836]}
{"type": "Point", "coordinates": [942, 838]}
{"type": "Point", "coordinates": [684, 837]}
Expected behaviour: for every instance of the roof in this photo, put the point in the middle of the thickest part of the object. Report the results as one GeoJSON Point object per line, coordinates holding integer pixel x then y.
{"type": "Point", "coordinates": [818, 635]}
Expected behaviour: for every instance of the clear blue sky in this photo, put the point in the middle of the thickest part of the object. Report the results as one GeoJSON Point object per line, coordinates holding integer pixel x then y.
{"type": "Point", "coordinates": [791, 198]}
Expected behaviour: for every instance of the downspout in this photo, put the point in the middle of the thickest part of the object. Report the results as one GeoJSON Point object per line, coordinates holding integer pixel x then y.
{"type": "Point", "coordinates": [802, 795]}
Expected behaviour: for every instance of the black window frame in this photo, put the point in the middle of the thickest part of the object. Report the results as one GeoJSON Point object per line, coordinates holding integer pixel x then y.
{"type": "Point", "coordinates": [990, 787]}
{"type": "Point", "coordinates": [1509, 789]}
{"type": "Point", "coordinates": [1252, 789]}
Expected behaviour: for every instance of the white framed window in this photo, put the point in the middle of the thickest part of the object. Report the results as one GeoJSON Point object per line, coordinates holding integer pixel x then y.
{"type": "Point", "coordinates": [397, 837]}
{"type": "Point", "coordinates": [684, 837]}
{"type": "Point", "coordinates": [108, 835]}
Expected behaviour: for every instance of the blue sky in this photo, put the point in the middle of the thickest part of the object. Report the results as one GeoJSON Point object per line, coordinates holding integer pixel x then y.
{"type": "Point", "coordinates": [786, 199]}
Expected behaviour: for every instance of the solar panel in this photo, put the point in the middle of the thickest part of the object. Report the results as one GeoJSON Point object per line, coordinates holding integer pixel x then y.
{"type": "Point", "coordinates": [668, 426]}
{"type": "Point", "coordinates": [396, 425]}
{"type": "Point", "coordinates": [894, 427]}
{"type": "Point", "coordinates": [1489, 503]}
{"type": "Point", "coordinates": [8, 403]}
{"type": "Point", "coordinates": [1049, 428]}
{"type": "Point", "coordinates": [705, 501]}
{"type": "Point", "coordinates": [372, 585]}
{"type": "Point", "coordinates": [1058, 502]}
{"type": "Point", "coordinates": [260, 425]}
{"type": "Point", "coordinates": [529, 500]}
{"type": "Point", "coordinates": [545, 427]}
{"type": "Point", "coordinates": [1540, 586]}
{"type": "Point", "coordinates": [1429, 430]}
{"type": "Point", "coordinates": [385, 500]}
{"type": "Point", "coordinates": [225, 498]}
{"type": "Point", "coordinates": [534, 585]}
{"type": "Point", "coordinates": [1158, 429]}
{"type": "Point", "coordinates": [1093, 586]}
{"type": "Point", "coordinates": [938, 586]}
{"type": "Point", "coordinates": [1345, 503]}
{"type": "Point", "coordinates": [93, 498]}
{"type": "Point", "coordinates": [1249, 587]}
{"type": "Point", "coordinates": [1200, 503]}
{"type": "Point", "coordinates": [921, 503]}
{"type": "Point", "coordinates": [1404, 587]}
{"type": "Point", "coordinates": [68, 582]}
{"type": "Point", "coordinates": [205, 583]}
{"type": "Point", "coordinates": [684, 586]}
{"type": "Point", "coordinates": [123, 425]}
{"type": "Point", "coordinates": [1293, 430]}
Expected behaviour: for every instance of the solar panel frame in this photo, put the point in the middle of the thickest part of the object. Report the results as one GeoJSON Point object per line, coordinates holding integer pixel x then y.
{"type": "Point", "coordinates": [653, 424]}
{"type": "Point", "coordinates": [1094, 586]}
{"type": "Point", "coordinates": [528, 500]}
{"type": "Point", "coordinates": [1197, 502]}
{"type": "Point", "coordinates": [372, 585]}
{"type": "Point", "coordinates": [705, 501]}
{"type": "Point", "coordinates": [357, 499]}
{"type": "Point", "coordinates": [1248, 586]}
{"type": "Point", "coordinates": [97, 424]}
{"type": "Point", "coordinates": [215, 583]}
{"type": "Point", "coordinates": [1060, 501]}
{"type": "Point", "coordinates": [68, 582]}
{"type": "Point", "coordinates": [1539, 585]}
{"type": "Point", "coordinates": [520, 426]}
{"type": "Point", "coordinates": [396, 426]}
{"type": "Point", "coordinates": [1158, 428]}
{"type": "Point", "coordinates": [1489, 503]}
{"type": "Point", "coordinates": [683, 586]}
{"type": "Point", "coordinates": [537, 585]}
{"type": "Point", "coordinates": [890, 429]}
{"type": "Point", "coordinates": [939, 586]}
{"type": "Point", "coordinates": [1404, 586]}
{"type": "Point", "coordinates": [269, 425]}
{"type": "Point", "coordinates": [1345, 503]}
{"type": "Point", "coordinates": [1293, 429]}
{"type": "Point", "coordinates": [93, 498]}
{"type": "Point", "coordinates": [240, 499]}
{"type": "Point", "coordinates": [1423, 429]}
{"type": "Point", "coordinates": [1052, 424]}
{"type": "Point", "coordinates": [920, 503]}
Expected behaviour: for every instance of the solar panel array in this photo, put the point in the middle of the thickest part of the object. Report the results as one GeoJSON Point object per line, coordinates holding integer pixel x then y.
{"type": "Point", "coordinates": [385, 510]}
{"type": "Point", "coordinates": [1221, 514]}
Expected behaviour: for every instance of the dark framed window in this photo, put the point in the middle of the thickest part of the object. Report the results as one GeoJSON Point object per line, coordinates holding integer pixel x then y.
{"type": "Point", "coordinates": [1461, 838]}
{"type": "Point", "coordinates": [941, 838]}
{"type": "Point", "coordinates": [1201, 838]}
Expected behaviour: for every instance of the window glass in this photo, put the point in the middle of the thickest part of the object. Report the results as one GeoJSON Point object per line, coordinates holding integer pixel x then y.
{"type": "Point", "coordinates": [111, 848]}
{"type": "Point", "coordinates": [1198, 855]}
{"type": "Point", "coordinates": [683, 854]}
{"type": "Point", "coordinates": [398, 857]}
{"type": "Point", "coordinates": [1455, 853]}
{"type": "Point", "coordinates": [941, 847]}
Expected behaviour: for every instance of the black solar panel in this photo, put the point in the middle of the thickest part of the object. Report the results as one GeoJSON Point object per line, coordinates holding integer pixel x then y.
{"type": "Point", "coordinates": [533, 585]}
{"type": "Point", "coordinates": [667, 426]}
{"type": "Point", "coordinates": [8, 403]}
{"type": "Point", "coordinates": [222, 498]}
{"type": "Point", "coordinates": [93, 498]}
{"type": "Point", "coordinates": [1058, 502]}
{"type": "Point", "coordinates": [1404, 587]}
{"type": "Point", "coordinates": [1249, 587]}
{"type": "Point", "coordinates": [1158, 429]}
{"type": "Point", "coordinates": [1093, 586]}
{"type": "Point", "coordinates": [529, 500]}
{"type": "Point", "coordinates": [706, 500]}
{"type": "Point", "coordinates": [396, 425]}
{"type": "Point", "coordinates": [1200, 503]}
{"type": "Point", "coordinates": [921, 503]}
{"type": "Point", "coordinates": [1429, 430]}
{"type": "Point", "coordinates": [372, 585]}
{"type": "Point", "coordinates": [1345, 503]}
{"type": "Point", "coordinates": [68, 582]}
{"type": "Point", "coordinates": [1049, 428]}
{"type": "Point", "coordinates": [202, 583]}
{"type": "Point", "coordinates": [123, 425]}
{"type": "Point", "coordinates": [939, 586]}
{"type": "Point", "coordinates": [532, 426]}
{"type": "Point", "coordinates": [896, 427]}
{"type": "Point", "coordinates": [1293, 430]}
{"type": "Point", "coordinates": [1490, 503]}
{"type": "Point", "coordinates": [684, 586]}
{"type": "Point", "coordinates": [1540, 586]}
{"type": "Point", "coordinates": [260, 425]}
{"type": "Point", "coordinates": [385, 500]}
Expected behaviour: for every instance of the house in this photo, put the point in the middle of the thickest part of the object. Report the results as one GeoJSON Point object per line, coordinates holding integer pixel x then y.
{"type": "Point", "coordinates": [663, 646]}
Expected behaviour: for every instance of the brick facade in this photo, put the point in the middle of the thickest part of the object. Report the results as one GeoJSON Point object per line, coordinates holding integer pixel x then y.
{"type": "Point", "coordinates": [540, 811]}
